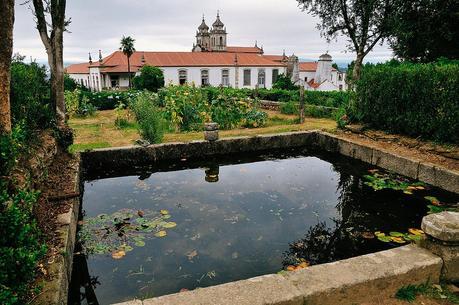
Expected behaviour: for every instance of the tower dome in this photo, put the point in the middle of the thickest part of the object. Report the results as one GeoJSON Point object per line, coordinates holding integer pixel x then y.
{"type": "Point", "coordinates": [218, 23]}
{"type": "Point", "coordinates": [203, 27]}
{"type": "Point", "coordinates": [325, 57]}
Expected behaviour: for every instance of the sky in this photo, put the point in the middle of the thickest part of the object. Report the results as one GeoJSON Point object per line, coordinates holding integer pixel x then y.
{"type": "Point", "coordinates": [159, 25]}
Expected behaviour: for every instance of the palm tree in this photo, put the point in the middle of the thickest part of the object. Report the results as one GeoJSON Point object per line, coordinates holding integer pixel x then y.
{"type": "Point", "coordinates": [127, 46]}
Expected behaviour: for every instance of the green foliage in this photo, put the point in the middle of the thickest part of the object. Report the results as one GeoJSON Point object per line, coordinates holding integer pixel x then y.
{"type": "Point", "coordinates": [11, 146]}
{"type": "Point", "coordinates": [108, 100]}
{"type": "Point", "coordinates": [20, 244]}
{"type": "Point", "coordinates": [78, 104]}
{"type": "Point", "coordinates": [149, 118]}
{"type": "Point", "coordinates": [409, 293]}
{"type": "Point", "coordinates": [289, 108]}
{"type": "Point", "coordinates": [30, 95]}
{"type": "Point", "coordinates": [188, 108]}
{"type": "Point", "coordinates": [284, 82]}
{"type": "Point", "coordinates": [413, 99]}
{"type": "Point", "coordinates": [425, 30]}
{"type": "Point", "coordinates": [69, 83]}
{"type": "Point", "coordinates": [150, 78]}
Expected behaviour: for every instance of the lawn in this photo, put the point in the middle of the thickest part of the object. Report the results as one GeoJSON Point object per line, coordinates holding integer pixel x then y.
{"type": "Point", "coordinates": [99, 131]}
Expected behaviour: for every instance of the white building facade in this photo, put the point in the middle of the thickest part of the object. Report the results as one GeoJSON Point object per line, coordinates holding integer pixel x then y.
{"type": "Point", "coordinates": [210, 63]}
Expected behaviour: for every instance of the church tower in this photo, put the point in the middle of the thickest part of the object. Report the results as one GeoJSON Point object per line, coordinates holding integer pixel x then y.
{"type": "Point", "coordinates": [218, 36]}
{"type": "Point", "coordinates": [202, 38]}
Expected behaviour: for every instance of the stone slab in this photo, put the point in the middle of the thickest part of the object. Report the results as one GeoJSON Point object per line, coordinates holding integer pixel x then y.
{"type": "Point", "coordinates": [357, 279]}
{"type": "Point", "coordinates": [443, 226]}
{"type": "Point", "coordinates": [263, 290]}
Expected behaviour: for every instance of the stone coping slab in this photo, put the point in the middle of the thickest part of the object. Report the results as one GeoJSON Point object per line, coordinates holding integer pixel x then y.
{"type": "Point", "coordinates": [342, 282]}
{"type": "Point", "coordinates": [443, 226]}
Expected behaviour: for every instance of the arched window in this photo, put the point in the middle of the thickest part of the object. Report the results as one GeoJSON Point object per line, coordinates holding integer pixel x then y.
{"type": "Point", "coordinates": [225, 78]}
{"type": "Point", "coordinates": [261, 78]}
{"type": "Point", "coordinates": [204, 78]}
{"type": "Point", "coordinates": [182, 77]}
{"type": "Point", "coordinates": [221, 41]}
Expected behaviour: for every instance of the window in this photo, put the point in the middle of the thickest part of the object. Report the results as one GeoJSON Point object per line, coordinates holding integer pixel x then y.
{"type": "Point", "coordinates": [247, 76]}
{"type": "Point", "coordinates": [275, 75]}
{"type": "Point", "coordinates": [306, 79]}
{"type": "Point", "coordinates": [261, 78]}
{"type": "Point", "coordinates": [221, 41]}
{"type": "Point", "coordinates": [114, 81]}
{"type": "Point", "coordinates": [340, 77]}
{"type": "Point", "coordinates": [204, 78]}
{"type": "Point", "coordinates": [225, 78]}
{"type": "Point", "coordinates": [340, 87]}
{"type": "Point", "coordinates": [182, 77]}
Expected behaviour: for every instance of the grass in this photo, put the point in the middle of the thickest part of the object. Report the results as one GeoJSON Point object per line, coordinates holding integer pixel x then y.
{"type": "Point", "coordinates": [99, 131]}
{"type": "Point", "coordinates": [409, 293]}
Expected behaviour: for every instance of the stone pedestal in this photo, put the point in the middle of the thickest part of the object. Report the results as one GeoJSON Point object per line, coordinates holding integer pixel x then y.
{"type": "Point", "coordinates": [442, 232]}
{"type": "Point", "coordinates": [211, 132]}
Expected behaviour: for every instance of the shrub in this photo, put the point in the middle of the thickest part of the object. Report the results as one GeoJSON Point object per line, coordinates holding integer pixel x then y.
{"type": "Point", "coordinates": [149, 118]}
{"type": "Point", "coordinates": [78, 104]}
{"type": "Point", "coordinates": [108, 100]}
{"type": "Point", "coordinates": [11, 146]}
{"type": "Point", "coordinates": [30, 95]}
{"type": "Point", "coordinates": [255, 118]}
{"type": "Point", "coordinates": [150, 78]}
{"type": "Point", "coordinates": [69, 83]}
{"type": "Point", "coordinates": [413, 99]}
{"type": "Point", "coordinates": [284, 82]}
{"type": "Point", "coordinates": [20, 245]}
{"type": "Point", "coordinates": [289, 108]}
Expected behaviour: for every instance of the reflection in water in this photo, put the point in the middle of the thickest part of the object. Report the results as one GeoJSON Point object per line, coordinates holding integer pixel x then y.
{"type": "Point", "coordinates": [250, 215]}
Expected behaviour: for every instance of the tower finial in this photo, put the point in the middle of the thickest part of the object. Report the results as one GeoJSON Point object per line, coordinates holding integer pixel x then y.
{"type": "Point", "coordinates": [203, 17]}
{"type": "Point", "coordinates": [100, 56]}
{"type": "Point", "coordinates": [256, 43]}
{"type": "Point", "coordinates": [90, 58]}
{"type": "Point", "coordinates": [218, 13]}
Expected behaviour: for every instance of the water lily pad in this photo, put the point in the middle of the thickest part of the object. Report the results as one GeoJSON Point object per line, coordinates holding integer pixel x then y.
{"type": "Point", "coordinates": [384, 238]}
{"type": "Point", "coordinates": [140, 243]}
{"type": "Point", "coordinates": [161, 234]}
{"type": "Point", "coordinates": [433, 200]}
{"type": "Point", "coordinates": [396, 234]}
{"type": "Point", "coordinates": [118, 254]}
{"type": "Point", "coordinates": [169, 225]}
{"type": "Point", "coordinates": [164, 212]}
{"type": "Point", "coordinates": [398, 240]}
{"type": "Point", "coordinates": [416, 231]}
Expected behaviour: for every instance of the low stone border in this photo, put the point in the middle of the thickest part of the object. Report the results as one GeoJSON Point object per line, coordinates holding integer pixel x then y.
{"type": "Point", "coordinates": [343, 282]}
{"type": "Point", "coordinates": [138, 155]}
{"type": "Point", "coordinates": [55, 292]}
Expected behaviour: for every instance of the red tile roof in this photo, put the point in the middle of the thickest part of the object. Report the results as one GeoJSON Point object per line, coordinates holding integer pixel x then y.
{"type": "Point", "coordinates": [232, 49]}
{"type": "Point", "coordinates": [117, 61]}
{"type": "Point", "coordinates": [310, 66]}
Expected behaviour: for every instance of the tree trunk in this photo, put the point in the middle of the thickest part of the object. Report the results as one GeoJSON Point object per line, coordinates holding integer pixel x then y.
{"type": "Point", "coordinates": [357, 67]}
{"type": "Point", "coordinates": [57, 81]}
{"type": "Point", "coordinates": [129, 70]}
{"type": "Point", "coordinates": [6, 50]}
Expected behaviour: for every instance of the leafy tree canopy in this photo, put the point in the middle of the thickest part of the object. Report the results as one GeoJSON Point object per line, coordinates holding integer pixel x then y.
{"type": "Point", "coordinates": [150, 78]}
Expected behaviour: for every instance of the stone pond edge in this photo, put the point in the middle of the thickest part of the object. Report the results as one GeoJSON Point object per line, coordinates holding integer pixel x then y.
{"type": "Point", "coordinates": [388, 270]}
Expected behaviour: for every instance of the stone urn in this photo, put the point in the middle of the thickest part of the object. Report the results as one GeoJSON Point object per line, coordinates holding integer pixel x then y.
{"type": "Point", "coordinates": [211, 132]}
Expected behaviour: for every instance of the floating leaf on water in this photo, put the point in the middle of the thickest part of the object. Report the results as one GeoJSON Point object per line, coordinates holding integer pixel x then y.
{"type": "Point", "coordinates": [118, 254]}
{"type": "Point", "coordinates": [161, 234]}
{"type": "Point", "coordinates": [433, 200]}
{"type": "Point", "coordinates": [413, 237]}
{"type": "Point", "coordinates": [169, 225]}
{"type": "Point", "coordinates": [416, 231]}
{"type": "Point", "coordinates": [378, 234]}
{"type": "Point", "coordinates": [367, 235]}
{"type": "Point", "coordinates": [399, 240]}
{"type": "Point", "coordinates": [384, 238]}
{"type": "Point", "coordinates": [140, 243]}
{"type": "Point", "coordinates": [434, 209]}
{"type": "Point", "coordinates": [164, 212]}
{"type": "Point", "coordinates": [396, 234]}
{"type": "Point", "coordinates": [140, 213]}
{"type": "Point", "coordinates": [420, 187]}
{"type": "Point", "coordinates": [192, 254]}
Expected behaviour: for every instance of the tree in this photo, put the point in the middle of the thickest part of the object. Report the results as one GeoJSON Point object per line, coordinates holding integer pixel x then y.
{"type": "Point", "coordinates": [284, 82]}
{"type": "Point", "coordinates": [6, 51]}
{"type": "Point", "coordinates": [127, 46]}
{"type": "Point", "coordinates": [363, 22]}
{"type": "Point", "coordinates": [425, 30]}
{"type": "Point", "coordinates": [52, 36]}
{"type": "Point", "coordinates": [150, 78]}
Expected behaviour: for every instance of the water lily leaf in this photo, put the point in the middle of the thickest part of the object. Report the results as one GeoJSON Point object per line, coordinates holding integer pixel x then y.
{"type": "Point", "coordinates": [433, 200]}
{"type": "Point", "coordinates": [408, 192]}
{"type": "Point", "coordinates": [384, 238]}
{"type": "Point", "coordinates": [169, 225]}
{"type": "Point", "coordinates": [164, 212]}
{"type": "Point", "coordinates": [399, 240]}
{"type": "Point", "coordinates": [396, 234]}
{"type": "Point", "coordinates": [434, 209]}
{"type": "Point", "coordinates": [118, 254]}
{"type": "Point", "coordinates": [413, 237]}
{"type": "Point", "coordinates": [140, 243]}
{"type": "Point", "coordinates": [378, 234]}
{"type": "Point", "coordinates": [192, 254]}
{"type": "Point", "coordinates": [416, 231]}
{"type": "Point", "coordinates": [161, 234]}
{"type": "Point", "coordinates": [368, 235]}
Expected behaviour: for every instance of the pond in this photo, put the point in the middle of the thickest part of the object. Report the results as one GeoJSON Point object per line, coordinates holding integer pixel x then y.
{"type": "Point", "coordinates": [151, 231]}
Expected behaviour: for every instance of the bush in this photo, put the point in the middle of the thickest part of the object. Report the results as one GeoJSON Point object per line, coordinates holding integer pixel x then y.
{"type": "Point", "coordinates": [150, 78]}
{"type": "Point", "coordinates": [289, 108]}
{"type": "Point", "coordinates": [30, 95]}
{"type": "Point", "coordinates": [412, 99]}
{"type": "Point", "coordinates": [108, 100]}
{"type": "Point", "coordinates": [20, 245]}
{"type": "Point", "coordinates": [284, 82]}
{"type": "Point", "coordinates": [78, 104]}
{"type": "Point", "coordinates": [11, 146]}
{"type": "Point", "coordinates": [149, 118]}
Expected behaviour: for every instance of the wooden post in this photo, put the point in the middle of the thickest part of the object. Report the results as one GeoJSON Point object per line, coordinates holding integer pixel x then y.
{"type": "Point", "coordinates": [301, 104]}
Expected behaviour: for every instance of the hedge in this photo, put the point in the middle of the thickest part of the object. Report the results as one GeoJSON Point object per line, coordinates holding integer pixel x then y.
{"type": "Point", "coordinates": [412, 99]}
{"type": "Point", "coordinates": [107, 100]}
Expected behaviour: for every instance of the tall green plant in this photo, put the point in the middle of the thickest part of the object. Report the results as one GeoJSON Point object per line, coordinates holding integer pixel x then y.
{"type": "Point", "coordinates": [148, 116]}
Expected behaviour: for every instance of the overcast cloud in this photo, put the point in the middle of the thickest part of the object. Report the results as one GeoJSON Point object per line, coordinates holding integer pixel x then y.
{"type": "Point", "coordinates": [170, 25]}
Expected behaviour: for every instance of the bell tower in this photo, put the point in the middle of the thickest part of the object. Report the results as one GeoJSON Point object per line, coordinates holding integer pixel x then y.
{"type": "Point", "coordinates": [218, 36]}
{"type": "Point", "coordinates": [202, 38]}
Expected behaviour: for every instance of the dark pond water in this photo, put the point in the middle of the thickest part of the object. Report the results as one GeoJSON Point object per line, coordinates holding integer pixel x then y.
{"type": "Point", "coordinates": [264, 213]}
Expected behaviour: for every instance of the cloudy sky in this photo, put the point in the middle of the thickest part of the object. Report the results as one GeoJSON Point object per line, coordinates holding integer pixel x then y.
{"type": "Point", "coordinates": [159, 25]}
